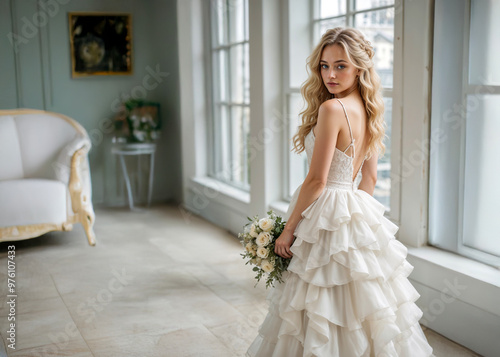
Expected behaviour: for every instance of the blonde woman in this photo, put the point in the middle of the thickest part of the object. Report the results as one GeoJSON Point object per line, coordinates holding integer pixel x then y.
{"type": "Point", "coordinates": [346, 292]}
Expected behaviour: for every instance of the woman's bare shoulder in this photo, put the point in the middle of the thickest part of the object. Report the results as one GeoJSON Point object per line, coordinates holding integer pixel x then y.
{"type": "Point", "coordinates": [330, 108]}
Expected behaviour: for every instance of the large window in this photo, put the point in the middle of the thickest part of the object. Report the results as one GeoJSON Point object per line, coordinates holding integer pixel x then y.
{"type": "Point", "coordinates": [375, 18]}
{"type": "Point", "coordinates": [464, 193]}
{"type": "Point", "coordinates": [230, 87]}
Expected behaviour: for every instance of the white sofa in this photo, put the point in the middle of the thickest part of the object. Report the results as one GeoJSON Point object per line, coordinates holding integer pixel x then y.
{"type": "Point", "coordinates": [44, 175]}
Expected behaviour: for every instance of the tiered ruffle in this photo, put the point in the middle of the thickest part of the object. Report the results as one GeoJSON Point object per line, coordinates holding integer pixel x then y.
{"type": "Point", "coordinates": [346, 293]}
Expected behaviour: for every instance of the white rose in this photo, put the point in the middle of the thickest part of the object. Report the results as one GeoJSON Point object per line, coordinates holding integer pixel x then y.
{"type": "Point", "coordinates": [262, 252]}
{"type": "Point", "coordinates": [254, 249]}
{"type": "Point", "coordinates": [258, 261]}
{"type": "Point", "coordinates": [253, 231]}
{"type": "Point", "coordinates": [267, 266]}
{"type": "Point", "coordinates": [266, 224]}
{"type": "Point", "coordinates": [139, 135]}
{"type": "Point", "coordinates": [263, 239]}
{"type": "Point", "coordinates": [249, 248]}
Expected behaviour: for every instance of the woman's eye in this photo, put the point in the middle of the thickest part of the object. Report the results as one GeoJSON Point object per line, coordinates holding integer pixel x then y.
{"type": "Point", "coordinates": [325, 66]}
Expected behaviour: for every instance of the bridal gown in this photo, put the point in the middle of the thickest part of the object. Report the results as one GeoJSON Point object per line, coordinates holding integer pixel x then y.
{"type": "Point", "coordinates": [346, 291]}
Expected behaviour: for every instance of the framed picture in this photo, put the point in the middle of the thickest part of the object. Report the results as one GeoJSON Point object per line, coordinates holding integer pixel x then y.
{"type": "Point", "coordinates": [101, 43]}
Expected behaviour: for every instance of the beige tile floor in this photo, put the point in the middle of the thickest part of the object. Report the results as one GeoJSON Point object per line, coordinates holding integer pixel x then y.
{"type": "Point", "coordinates": [161, 282]}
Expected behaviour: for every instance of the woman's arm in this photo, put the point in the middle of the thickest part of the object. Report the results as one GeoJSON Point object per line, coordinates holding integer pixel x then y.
{"type": "Point", "coordinates": [309, 192]}
{"type": "Point", "coordinates": [330, 116]}
{"type": "Point", "coordinates": [327, 130]}
{"type": "Point", "coordinates": [369, 175]}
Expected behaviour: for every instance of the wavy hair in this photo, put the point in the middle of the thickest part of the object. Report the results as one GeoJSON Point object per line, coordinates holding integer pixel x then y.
{"type": "Point", "coordinates": [360, 53]}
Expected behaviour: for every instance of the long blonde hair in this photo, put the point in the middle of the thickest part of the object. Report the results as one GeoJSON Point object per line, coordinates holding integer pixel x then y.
{"type": "Point", "coordinates": [360, 53]}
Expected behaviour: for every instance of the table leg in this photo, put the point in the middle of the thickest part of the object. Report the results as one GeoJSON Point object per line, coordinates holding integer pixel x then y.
{"type": "Point", "coordinates": [139, 172]}
{"type": "Point", "coordinates": [151, 173]}
{"type": "Point", "coordinates": [127, 183]}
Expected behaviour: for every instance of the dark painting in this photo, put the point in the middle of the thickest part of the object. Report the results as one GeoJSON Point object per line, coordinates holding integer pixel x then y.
{"type": "Point", "coordinates": [100, 44]}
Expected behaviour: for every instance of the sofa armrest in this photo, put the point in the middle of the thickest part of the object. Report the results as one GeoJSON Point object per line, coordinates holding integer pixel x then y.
{"type": "Point", "coordinates": [62, 166]}
{"type": "Point", "coordinates": [80, 191]}
{"type": "Point", "coordinates": [72, 168]}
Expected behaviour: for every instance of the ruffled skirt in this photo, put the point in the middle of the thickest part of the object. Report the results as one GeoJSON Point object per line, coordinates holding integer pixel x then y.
{"type": "Point", "coordinates": [346, 291]}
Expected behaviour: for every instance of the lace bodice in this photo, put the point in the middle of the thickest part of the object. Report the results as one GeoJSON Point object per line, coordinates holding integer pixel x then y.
{"type": "Point", "coordinates": [342, 166]}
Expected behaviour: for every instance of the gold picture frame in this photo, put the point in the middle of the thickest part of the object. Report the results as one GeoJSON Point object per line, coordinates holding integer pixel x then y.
{"type": "Point", "coordinates": [101, 43]}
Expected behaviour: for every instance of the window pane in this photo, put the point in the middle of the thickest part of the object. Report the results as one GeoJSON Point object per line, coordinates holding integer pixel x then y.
{"type": "Point", "coordinates": [382, 190]}
{"type": "Point", "coordinates": [370, 4]}
{"type": "Point", "coordinates": [246, 72]}
{"type": "Point", "coordinates": [239, 166]}
{"type": "Point", "coordinates": [330, 8]}
{"type": "Point", "coordinates": [223, 171]}
{"type": "Point", "coordinates": [247, 31]}
{"type": "Point", "coordinates": [323, 26]}
{"type": "Point", "coordinates": [220, 75]}
{"type": "Point", "coordinates": [378, 27]}
{"type": "Point", "coordinates": [484, 46]}
{"type": "Point", "coordinates": [481, 189]}
{"type": "Point", "coordinates": [298, 163]}
{"type": "Point", "coordinates": [219, 22]}
{"type": "Point", "coordinates": [239, 73]}
{"type": "Point", "coordinates": [236, 12]}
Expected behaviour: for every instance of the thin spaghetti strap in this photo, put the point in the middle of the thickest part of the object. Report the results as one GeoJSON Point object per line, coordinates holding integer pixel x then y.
{"type": "Point", "coordinates": [350, 131]}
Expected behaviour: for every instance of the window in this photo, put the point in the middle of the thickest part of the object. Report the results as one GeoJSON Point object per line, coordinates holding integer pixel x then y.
{"type": "Point", "coordinates": [297, 48]}
{"type": "Point", "coordinates": [464, 133]}
{"type": "Point", "coordinates": [375, 18]}
{"type": "Point", "coordinates": [230, 88]}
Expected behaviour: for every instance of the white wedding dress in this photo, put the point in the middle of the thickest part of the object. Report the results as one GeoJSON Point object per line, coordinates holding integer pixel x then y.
{"type": "Point", "coordinates": [346, 292]}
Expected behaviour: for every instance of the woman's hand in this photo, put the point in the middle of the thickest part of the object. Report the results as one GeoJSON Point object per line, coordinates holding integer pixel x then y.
{"type": "Point", "coordinates": [283, 244]}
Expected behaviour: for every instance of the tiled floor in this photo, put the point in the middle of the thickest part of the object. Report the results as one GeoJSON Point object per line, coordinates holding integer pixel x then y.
{"type": "Point", "coordinates": [158, 283]}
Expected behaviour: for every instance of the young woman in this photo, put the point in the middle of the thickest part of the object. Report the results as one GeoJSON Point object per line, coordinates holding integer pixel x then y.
{"type": "Point", "coordinates": [346, 292]}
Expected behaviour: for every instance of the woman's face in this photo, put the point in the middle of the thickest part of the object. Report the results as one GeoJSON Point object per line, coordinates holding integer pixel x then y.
{"type": "Point", "coordinates": [338, 74]}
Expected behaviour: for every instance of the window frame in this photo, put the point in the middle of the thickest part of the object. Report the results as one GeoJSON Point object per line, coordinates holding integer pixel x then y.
{"type": "Point", "coordinates": [461, 247]}
{"type": "Point", "coordinates": [215, 150]}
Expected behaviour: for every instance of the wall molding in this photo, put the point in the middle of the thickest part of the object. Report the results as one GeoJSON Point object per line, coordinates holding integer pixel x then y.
{"type": "Point", "coordinates": [19, 91]}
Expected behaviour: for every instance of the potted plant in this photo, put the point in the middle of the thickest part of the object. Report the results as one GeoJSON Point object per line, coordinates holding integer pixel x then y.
{"type": "Point", "coordinates": [138, 121]}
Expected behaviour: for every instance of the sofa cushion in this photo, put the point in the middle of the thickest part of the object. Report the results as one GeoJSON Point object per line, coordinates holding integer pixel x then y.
{"type": "Point", "coordinates": [41, 138]}
{"type": "Point", "coordinates": [32, 201]}
{"type": "Point", "coordinates": [10, 150]}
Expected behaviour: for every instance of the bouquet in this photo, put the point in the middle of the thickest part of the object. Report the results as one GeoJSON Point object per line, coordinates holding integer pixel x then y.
{"type": "Point", "coordinates": [258, 239]}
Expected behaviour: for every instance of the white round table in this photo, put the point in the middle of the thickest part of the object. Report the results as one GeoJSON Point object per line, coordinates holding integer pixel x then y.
{"type": "Point", "coordinates": [134, 149]}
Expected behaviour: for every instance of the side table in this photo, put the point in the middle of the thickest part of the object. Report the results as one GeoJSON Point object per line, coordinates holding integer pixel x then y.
{"type": "Point", "coordinates": [135, 149]}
